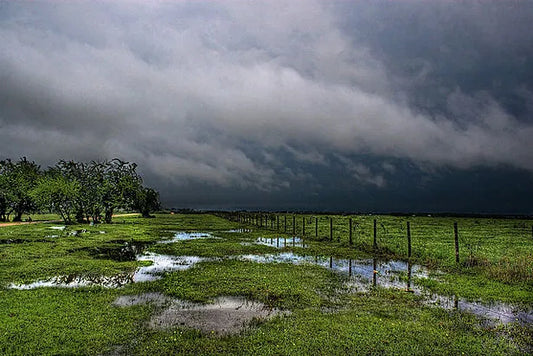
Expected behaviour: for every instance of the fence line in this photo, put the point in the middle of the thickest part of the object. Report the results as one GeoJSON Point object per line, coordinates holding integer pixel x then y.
{"type": "Point", "coordinates": [393, 234]}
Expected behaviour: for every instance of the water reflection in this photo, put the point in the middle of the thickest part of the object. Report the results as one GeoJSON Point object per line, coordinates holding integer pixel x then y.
{"type": "Point", "coordinates": [77, 281]}
{"type": "Point", "coordinates": [281, 242]}
{"type": "Point", "coordinates": [161, 264]}
{"type": "Point", "coordinates": [239, 230]}
{"type": "Point", "coordinates": [370, 273]}
{"type": "Point", "coordinates": [184, 236]}
{"type": "Point", "coordinates": [224, 316]}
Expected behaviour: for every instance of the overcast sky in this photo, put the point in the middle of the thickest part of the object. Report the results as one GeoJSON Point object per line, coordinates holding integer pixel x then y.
{"type": "Point", "coordinates": [405, 105]}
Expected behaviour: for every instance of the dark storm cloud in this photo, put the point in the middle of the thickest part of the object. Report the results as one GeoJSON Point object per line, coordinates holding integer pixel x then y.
{"type": "Point", "coordinates": [262, 95]}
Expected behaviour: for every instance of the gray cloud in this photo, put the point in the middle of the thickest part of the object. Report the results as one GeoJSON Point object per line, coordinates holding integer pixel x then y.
{"type": "Point", "coordinates": [222, 93]}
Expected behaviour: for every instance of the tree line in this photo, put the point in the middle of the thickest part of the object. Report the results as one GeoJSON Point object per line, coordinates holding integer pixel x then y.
{"type": "Point", "coordinates": [77, 191]}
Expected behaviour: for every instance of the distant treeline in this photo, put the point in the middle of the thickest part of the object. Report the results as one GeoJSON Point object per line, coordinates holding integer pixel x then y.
{"type": "Point", "coordinates": [77, 191]}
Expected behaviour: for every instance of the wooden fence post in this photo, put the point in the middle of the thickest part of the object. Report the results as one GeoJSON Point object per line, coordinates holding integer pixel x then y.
{"type": "Point", "coordinates": [408, 240]}
{"type": "Point", "coordinates": [330, 228]}
{"type": "Point", "coordinates": [294, 224]}
{"type": "Point", "coordinates": [350, 227]}
{"type": "Point", "coordinates": [456, 235]}
{"type": "Point", "coordinates": [285, 225]}
{"type": "Point", "coordinates": [316, 226]}
{"type": "Point", "coordinates": [375, 245]}
{"type": "Point", "coordinates": [303, 226]}
{"type": "Point", "coordinates": [277, 222]}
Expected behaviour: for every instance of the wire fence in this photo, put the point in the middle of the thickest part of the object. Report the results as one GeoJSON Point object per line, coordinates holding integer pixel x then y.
{"type": "Point", "coordinates": [466, 241]}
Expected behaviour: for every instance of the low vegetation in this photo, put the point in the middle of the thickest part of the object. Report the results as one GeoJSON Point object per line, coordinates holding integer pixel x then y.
{"type": "Point", "coordinates": [324, 316]}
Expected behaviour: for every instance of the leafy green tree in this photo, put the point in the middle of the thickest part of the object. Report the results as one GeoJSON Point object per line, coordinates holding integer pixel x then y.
{"type": "Point", "coordinates": [146, 201]}
{"type": "Point", "coordinates": [18, 180]}
{"type": "Point", "coordinates": [6, 195]}
{"type": "Point", "coordinates": [58, 193]}
{"type": "Point", "coordinates": [90, 177]}
{"type": "Point", "coordinates": [120, 187]}
{"type": "Point", "coordinates": [75, 190]}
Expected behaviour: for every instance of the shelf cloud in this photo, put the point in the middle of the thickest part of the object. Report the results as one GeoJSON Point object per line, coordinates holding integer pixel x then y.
{"type": "Point", "coordinates": [260, 95]}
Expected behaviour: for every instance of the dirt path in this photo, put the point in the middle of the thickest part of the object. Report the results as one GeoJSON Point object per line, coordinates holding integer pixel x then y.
{"type": "Point", "coordinates": [29, 222]}
{"type": "Point", "coordinates": [19, 223]}
{"type": "Point", "coordinates": [128, 214]}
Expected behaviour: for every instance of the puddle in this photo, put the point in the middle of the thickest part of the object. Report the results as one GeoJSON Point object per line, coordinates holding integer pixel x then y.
{"type": "Point", "coordinates": [161, 264]}
{"type": "Point", "coordinates": [281, 242]}
{"type": "Point", "coordinates": [78, 281]}
{"type": "Point", "coordinates": [122, 251]}
{"type": "Point", "coordinates": [127, 251]}
{"type": "Point", "coordinates": [184, 236]}
{"type": "Point", "coordinates": [494, 311]}
{"type": "Point", "coordinates": [366, 271]}
{"type": "Point", "coordinates": [362, 275]}
{"type": "Point", "coordinates": [57, 227]}
{"type": "Point", "coordinates": [365, 274]}
{"type": "Point", "coordinates": [225, 316]}
{"type": "Point", "coordinates": [67, 232]}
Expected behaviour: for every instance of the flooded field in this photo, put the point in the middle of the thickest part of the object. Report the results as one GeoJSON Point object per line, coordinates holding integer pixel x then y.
{"type": "Point", "coordinates": [361, 275]}
{"type": "Point", "coordinates": [238, 282]}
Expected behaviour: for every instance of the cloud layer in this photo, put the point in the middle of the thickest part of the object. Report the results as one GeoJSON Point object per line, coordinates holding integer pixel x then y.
{"type": "Point", "coordinates": [227, 93]}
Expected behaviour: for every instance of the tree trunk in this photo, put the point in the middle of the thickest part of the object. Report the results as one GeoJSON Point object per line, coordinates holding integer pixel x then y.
{"type": "Point", "coordinates": [79, 217]}
{"type": "Point", "coordinates": [18, 216]}
{"type": "Point", "coordinates": [108, 216]}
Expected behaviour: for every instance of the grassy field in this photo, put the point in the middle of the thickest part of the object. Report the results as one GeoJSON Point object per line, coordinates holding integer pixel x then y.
{"type": "Point", "coordinates": [322, 315]}
{"type": "Point", "coordinates": [499, 248]}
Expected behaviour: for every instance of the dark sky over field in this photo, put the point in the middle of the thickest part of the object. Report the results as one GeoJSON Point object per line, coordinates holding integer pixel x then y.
{"type": "Point", "coordinates": [405, 105]}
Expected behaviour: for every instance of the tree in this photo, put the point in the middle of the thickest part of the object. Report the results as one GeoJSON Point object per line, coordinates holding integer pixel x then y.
{"type": "Point", "coordinates": [75, 190]}
{"type": "Point", "coordinates": [58, 193]}
{"type": "Point", "coordinates": [6, 196]}
{"type": "Point", "coordinates": [18, 180]}
{"type": "Point", "coordinates": [120, 186]}
{"type": "Point", "coordinates": [90, 177]}
{"type": "Point", "coordinates": [146, 201]}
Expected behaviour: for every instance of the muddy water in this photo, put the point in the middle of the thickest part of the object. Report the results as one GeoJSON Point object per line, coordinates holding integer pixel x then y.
{"type": "Point", "coordinates": [223, 316]}
{"type": "Point", "coordinates": [226, 315]}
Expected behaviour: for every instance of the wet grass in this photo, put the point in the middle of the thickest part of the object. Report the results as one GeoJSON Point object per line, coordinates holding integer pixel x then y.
{"type": "Point", "coordinates": [324, 317]}
{"type": "Point", "coordinates": [496, 255]}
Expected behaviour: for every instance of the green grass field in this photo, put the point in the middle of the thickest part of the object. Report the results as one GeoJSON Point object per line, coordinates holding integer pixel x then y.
{"type": "Point", "coordinates": [323, 315]}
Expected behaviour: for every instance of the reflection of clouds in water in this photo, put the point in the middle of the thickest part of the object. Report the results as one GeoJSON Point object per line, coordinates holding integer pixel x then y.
{"type": "Point", "coordinates": [161, 264]}
{"type": "Point", "coordinates": [184, 236]}
{"type": "Point", "coordinates": [365, 274]}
